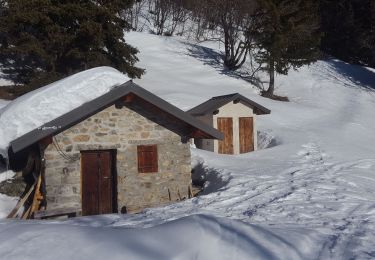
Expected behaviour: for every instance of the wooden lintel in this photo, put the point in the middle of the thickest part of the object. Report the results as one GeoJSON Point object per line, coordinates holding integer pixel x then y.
{"type": "Point", "coordinates": [46, 141]}
{"type": "Point", "coordinates": [198, 134]}
{"type": "Point", "coordinates": [128, 98]}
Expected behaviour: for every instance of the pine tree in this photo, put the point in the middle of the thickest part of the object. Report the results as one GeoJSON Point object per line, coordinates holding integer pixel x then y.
{"type": "Point", "coordinates": [45, 40]}
{"type": "Point", "coordinates": [287, 36]}
{"type": "Point", "coordinates": [348, 28]}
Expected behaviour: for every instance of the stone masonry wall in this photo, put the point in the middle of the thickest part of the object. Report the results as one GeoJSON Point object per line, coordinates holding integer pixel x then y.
{"type": "Point", "coordinates": [121, 130]}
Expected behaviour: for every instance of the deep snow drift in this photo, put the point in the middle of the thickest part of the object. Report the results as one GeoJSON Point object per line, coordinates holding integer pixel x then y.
{"type": "Point", "coordinates": [193, 237]}
{"type": "Point", "coordinates": [47, 103]}
{"type": "Point", "coordinates": [309, 196]}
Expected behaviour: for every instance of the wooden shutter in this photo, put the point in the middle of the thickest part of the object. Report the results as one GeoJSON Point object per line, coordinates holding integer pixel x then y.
{"type": "Point", "coordinates": [147, 158]}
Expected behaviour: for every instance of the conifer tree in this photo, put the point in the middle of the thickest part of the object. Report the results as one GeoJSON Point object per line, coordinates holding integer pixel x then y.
{"type": "Point", "coordinates": [45, 40]}
{"type": "Point", "coordinates": [287, 36]}
{"type": "Point", "coordinates": [348, 28]}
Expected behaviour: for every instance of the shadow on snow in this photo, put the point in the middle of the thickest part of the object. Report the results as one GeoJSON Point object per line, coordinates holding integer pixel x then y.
{"type": "Point", "coordinates": [355, 74]}
{"type": "Point", "coordinates": [209, 179]}
{"type": "Point", "coordinates": [214, 59]}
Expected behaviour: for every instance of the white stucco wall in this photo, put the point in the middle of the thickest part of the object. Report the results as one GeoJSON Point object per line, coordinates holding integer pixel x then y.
{"type": "Point", "coordinates": [234, 111]}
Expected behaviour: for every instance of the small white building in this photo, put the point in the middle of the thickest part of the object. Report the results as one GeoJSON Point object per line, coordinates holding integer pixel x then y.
{"type": "Point", "coordinates": [235, 116]}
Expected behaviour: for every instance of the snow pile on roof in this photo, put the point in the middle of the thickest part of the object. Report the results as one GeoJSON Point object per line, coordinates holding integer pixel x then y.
{"type": "Point", "coordinates": [47, 103]}
{"type": "Point", "coordinates": [193, 237]}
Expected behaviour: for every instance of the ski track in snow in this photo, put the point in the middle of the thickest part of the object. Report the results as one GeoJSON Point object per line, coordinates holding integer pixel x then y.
{"type": "Point", "coordinates": [306, 181]}
{"type": "Point", "coordinates": [319, 176]}
{"type": "Point", "coordinates": [311, 188]}
{"type": "Point", "coordinates": [297, 196]}
{"type": "Point", "coordinates": [291, 197]}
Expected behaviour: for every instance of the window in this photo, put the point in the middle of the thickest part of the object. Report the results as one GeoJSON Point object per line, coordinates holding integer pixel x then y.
{"type": "Point", "coordinates": [147, 158]}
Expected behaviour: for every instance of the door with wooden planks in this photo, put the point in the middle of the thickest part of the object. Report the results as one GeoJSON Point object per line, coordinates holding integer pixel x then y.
{"type": "Point", "coordinates": [225, 125]}
{"type": "Point", "coordinates": [246, 133]}
{"type": "Point", "coordinates": [97, 182]}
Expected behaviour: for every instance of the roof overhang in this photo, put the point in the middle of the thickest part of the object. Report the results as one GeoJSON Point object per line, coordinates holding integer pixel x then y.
{"type": "Point", "coordinates": [132, 95]}
{"type": "Point", "coordinates": [215, 103]}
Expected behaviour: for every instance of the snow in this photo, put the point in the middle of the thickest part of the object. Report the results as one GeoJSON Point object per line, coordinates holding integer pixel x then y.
{"type": "Point", "coordinates": [6, 203]}
{"type": "Point", "coordinates": [3, 103]}
{"type": "Point", "coordinates": [40, 106]}
{"type": "Point", "coordinates": [6, 175]}
{"type": "Point", "coordinates": [198, 237]}
{"type": "Point", "coordinates": [3, 81]}
{"type": "Point", "coordinates": [308, 195]}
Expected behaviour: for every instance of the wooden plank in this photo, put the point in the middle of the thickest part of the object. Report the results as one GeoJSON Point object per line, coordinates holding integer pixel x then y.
{"type": "Point", "coordinates": [225, 125]}
{"type": "Point", "coordinates": [36, 200]}
{"type": "Point", "coordinates": [105, 183]}
{"type": "Point", "coordinates": [20, 203]}
{"type": "Point", "coordinates": [26, 214]}
{"type": "Point", "coordinates": [57, 212]}
{"type": "Point", "coordinates": [89, 167]}
{"type": "Point", "coordinates": [246, 133]}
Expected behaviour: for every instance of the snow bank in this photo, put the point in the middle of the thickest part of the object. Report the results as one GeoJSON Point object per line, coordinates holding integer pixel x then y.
{"type": "Point", "coordinates": [3, 103]}
{"type": "Point", "coordinates": [193, 237]}
{"type": "Point", "coordinates": [266, 139]}
{"type": "Point", "coordinates": [47, 103]}
{"type": "Point", "coordinates": [6, 203]}
{"type": "Point", "coordinates": [6, 175]}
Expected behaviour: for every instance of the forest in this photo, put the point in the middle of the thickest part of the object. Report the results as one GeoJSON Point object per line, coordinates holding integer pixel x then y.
{"type": "Point", "coordinates": [42, 41]}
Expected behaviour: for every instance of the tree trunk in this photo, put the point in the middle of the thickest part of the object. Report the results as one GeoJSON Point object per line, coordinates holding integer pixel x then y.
{"type": "Point", "coordinates": [271, 86]}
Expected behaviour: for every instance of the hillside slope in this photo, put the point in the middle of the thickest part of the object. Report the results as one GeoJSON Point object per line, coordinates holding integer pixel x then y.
{"type": "Point", "coordinates": [320, 175]}
{"type": "Point", "coordinates": [308, 196]}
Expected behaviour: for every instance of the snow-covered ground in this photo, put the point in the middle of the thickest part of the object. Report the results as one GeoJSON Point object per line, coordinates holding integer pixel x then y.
{"type": "Point", "coordinates": [192, 237]}
{"type": "Point", "coordinates": [310, 196]}
{"type": "Point", "coordinates": [3, 103]}
{"type": "Point", "coordinates": [7, 203]}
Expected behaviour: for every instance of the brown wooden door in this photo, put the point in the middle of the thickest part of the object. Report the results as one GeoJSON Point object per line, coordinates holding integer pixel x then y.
{"type": "Point", "coordinates": [97, 182]}
{"type": "Point", "coordinates": [225, 125]}
{"type": "Point", "coordinates": [246, 134]}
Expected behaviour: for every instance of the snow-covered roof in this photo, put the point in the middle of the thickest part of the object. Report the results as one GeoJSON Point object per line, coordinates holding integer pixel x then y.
{"type": "Point", "coordinates": [40, 106]}
{"type": "Point", "coordinates": [180, 122]}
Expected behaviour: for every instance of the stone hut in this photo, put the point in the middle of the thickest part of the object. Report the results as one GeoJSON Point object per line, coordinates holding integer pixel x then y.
{"type": "Point", "coordinates": [235, 116]}
{"type": "Point", "coordinates": [121, 152]}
